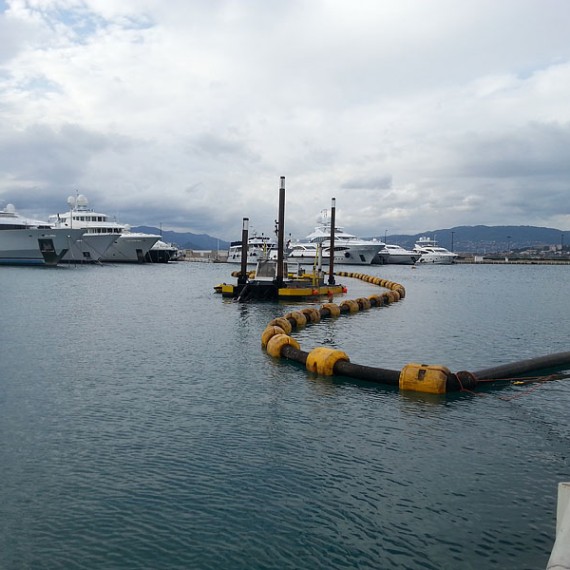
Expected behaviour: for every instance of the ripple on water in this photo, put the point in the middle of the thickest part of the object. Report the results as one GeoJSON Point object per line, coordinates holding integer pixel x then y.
{"type": "Point", "coordinates": [155, 433]}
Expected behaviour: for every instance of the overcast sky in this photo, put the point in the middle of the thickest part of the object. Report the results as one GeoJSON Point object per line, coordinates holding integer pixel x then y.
{"type": "Point", "coordinates": [416, 115]}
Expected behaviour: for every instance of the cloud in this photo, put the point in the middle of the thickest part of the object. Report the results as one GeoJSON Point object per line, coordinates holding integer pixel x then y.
{"type": "Point", "coordinates": [535, 151]}
{"type": "Point", "coordinates": [413, 115]}
{"type": "Point", "coordinates": [43, 156]}
{"type": "Point", "coordinates": [373, 183]}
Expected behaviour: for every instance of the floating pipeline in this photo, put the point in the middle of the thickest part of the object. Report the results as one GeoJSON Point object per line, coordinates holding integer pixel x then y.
{"type": "Point", "coordinates": [432, 379]}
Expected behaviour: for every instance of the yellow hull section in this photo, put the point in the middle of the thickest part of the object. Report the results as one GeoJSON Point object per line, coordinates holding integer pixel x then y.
{"type": "Point", "coordinates": [296, 292]}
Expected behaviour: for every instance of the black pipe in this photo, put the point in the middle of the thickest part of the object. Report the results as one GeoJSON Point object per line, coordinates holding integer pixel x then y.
{"type": "Point", "coordinates": [380, 375]}
{"type": "Point", "coordinates": [557, 360]}
{"type": "Point", "coordinates": [344, 368]}
{"type": "Point", "coordinates": [462, 380]}
{"type": "Point", "coordinates": [292, 353]}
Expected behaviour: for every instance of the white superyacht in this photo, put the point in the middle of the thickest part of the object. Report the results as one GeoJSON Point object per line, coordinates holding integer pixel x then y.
{"type": "Point", "coordinates": [31, 242]}
{"type": "Point", "coordinates": [431, 252]}
{"type": "Point", "coordinates": [394, 254]}
{"type": "Point", "coordinates": [258, 247]}
{"type": "Point", "coordinates": [348, 249]}
{"type": "Point", "coordinates": [126, 247]}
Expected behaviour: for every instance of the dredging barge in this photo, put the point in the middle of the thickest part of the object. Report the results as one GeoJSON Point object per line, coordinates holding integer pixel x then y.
{"type": "Point", "coordinates": [275, 279]}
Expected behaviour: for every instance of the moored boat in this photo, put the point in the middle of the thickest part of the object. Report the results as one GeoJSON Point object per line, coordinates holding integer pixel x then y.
{"type": "Point", "coordinates": [162, 252]}
{"type": "Point", "coordinates": [348, 249]}
{"type": "Point", "coordinates": [396, 255]}
{"type": "Point", "coordinates": [90, 248]}
{"type": "Point", "coordinates": [258, 247]}
{"type": "Point", "coordinates": [306, 253]}
{"type": "Point", "coordinates": [31, 242]}
{"type": "Point", "coordinates": [127, 247]}
{"type": "Point", "coordinates": [431, 252]}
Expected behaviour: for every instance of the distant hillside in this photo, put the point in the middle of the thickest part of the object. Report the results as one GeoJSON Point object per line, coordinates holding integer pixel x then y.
{"type": "Point", "coordinates": [186, 240]}
{"type": "Point", "coordinates": [487, 238]}
{"type": "Point", "coordinates": [474, 239]}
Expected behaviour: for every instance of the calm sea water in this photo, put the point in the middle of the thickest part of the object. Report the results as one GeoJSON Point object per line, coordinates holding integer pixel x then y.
{"type": "Point", "coordinates": [142, 426]}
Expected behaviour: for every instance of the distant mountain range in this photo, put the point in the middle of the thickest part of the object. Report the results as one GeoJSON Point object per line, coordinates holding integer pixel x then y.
{"type": "Point", "coordinates": [487, 238]}
{"type": "Point", "coordinates": [460, 238]}
{"type": "Point", "coordinates": [187, 240]}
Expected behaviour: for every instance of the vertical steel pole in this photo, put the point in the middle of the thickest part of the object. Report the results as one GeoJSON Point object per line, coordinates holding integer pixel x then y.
{"type": "Point", "coordinates": [242, 279]}
{"type": "Point", "coordinates": [331, 256]}
{"type": "Point", "coordinates": [281, 233]}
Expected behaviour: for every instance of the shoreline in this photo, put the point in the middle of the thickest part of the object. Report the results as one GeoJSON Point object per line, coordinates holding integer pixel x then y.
{"type": "Point", "coordinates": [517, 261]}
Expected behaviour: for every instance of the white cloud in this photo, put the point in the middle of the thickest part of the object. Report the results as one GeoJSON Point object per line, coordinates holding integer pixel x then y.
{"type": "Point", "coordinates": [185, 113]}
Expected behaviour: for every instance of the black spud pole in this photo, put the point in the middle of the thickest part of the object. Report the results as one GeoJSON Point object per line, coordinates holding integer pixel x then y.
{"type": "Point", "coordinates": [242, 279]}
{"type": "Point", "coordinates": [331, 255]}
{"type": "Point", "coordinates": [281, 234]}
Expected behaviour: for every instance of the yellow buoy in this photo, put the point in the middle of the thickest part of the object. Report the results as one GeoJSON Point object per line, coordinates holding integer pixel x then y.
{"type": "Point", "coordinates": [352, 305]}
{"type": "Point", "coordinates": [299, 318]}
{"type": "Point", "coordinates": [321, 360]}
{"type": "Point", "coordinates": [313, 315]}
{"type": "Point", "coordinates": [270, 331]}
{"type": "Point", "coordinates": [333, 309]}
{"type": "Point", "coordinates": [283, 323]}
{"type": "Point", "coordinates": [277, 342]}
{"type": "Point", "coordinates": [424, 378]}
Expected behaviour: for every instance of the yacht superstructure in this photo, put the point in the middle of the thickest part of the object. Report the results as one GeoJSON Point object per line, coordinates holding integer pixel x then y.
{"type": "Point", "coordinates": [31, 242]}
{"type": "Point", "coordinates": [127, 247]}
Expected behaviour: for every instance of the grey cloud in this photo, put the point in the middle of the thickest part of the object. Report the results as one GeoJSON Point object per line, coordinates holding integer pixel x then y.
{"type": "Point", "coordinates": [372, 183]}
{"type": "Point", "coordinates": [444, 114]}
{"type": "Point", "coordinates": [42, 165]}
{"type": "Point", "coordinates": [15, 36]}
{"type": "Point", "coordinates": [216, 146]}
{"type": "Point", "coordinates": [45, 156]}
{"type": "Point", "coordinates": [535, 150]}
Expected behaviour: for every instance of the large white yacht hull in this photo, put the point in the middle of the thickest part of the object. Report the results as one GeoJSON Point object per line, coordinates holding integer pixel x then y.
{"type": "Point", "coordinates": [33, 246]}
{"type": "Point", "coordinates": [356, 255]}
{"type": "Point", "coordinates": [349, 255]}
{"type": "Point", "coordinates": [90, 248]}
{"type": "Point", "coordinates": [348, 249]}
{"type": "Point", "coordinates": [401, 259]}
{"type": "Point", "coordinates": [432, 253]}
{"type": "Point", "coordinates": [395, 259]}
{"type": "Point", "coordinates": [395, 255]}
{"type": "Point", "coordinates": [436, 259]}
{"type": "Point", "coordinates": [127, 247]}
{"type": "Point", "coordinates": [130, 248]}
